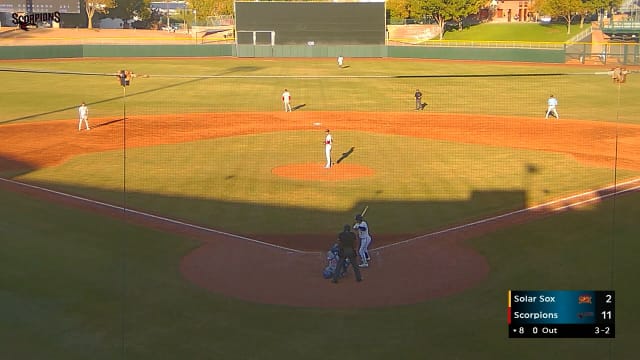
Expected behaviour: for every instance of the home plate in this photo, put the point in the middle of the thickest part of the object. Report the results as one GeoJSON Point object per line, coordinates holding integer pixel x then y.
{"type": "Point", "coordinates": [317, 124]}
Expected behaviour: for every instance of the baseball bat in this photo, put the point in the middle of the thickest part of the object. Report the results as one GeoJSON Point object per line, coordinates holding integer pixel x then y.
{"type": "Point", "coordinates": [364, 211]}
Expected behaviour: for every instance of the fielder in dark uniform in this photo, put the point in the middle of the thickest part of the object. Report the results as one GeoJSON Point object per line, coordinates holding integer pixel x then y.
{"type": "Point", "coordinates": [418, 96]}
{"type": "Point", "coordinates": [347, 240]}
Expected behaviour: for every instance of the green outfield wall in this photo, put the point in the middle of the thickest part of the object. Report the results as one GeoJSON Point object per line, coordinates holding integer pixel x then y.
{"type": "Point", "coordinates": [479, 53]}
{"type": "Point", "coordinates": [88, 51]}
{"type": "Point", "coordinates": [156, 50]}
{"type": "Point", "coordinates": [353, 51]}
{"type": "Point", "coordinates": [40, 52]}
{"type": "Point", "coordinates": [311, 51]}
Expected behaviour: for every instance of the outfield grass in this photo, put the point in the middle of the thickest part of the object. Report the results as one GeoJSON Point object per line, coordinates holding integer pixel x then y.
{"type": "Point", "coordinates": [410, 190]}
{"type": "Point", "coordinates": [515, 31]}
{"type": "Point", "coordinates": [234, 189]}
{"type": "Point", "coordinates": [77, 285]}
{"type": "Point", "coordinates": [582, 95]}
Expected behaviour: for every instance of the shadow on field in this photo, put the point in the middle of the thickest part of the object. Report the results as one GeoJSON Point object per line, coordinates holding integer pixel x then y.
{"type": "Point", "coordinates": [10, 167]}
{"type": "Point", "coordinates": [106, 123]}
{"type": "Point", "coordinates": [345, 155]}
{"type": "Point", "coordinates": [34, 116]}
{"type": "Point", "coordinates": [304, 228]}
{"type": "Point", "coordinates": [241, 69]}
{"type": "Point", "coordinates": [89, 104]}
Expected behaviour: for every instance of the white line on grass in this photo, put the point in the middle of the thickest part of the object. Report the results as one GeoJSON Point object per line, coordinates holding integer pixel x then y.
{"type": "Point", "coordinates": [597, 197]}
{"type": "Point", "coordinates": [531, 209]}
{"type": "Point", "coordinates": [155, 217]}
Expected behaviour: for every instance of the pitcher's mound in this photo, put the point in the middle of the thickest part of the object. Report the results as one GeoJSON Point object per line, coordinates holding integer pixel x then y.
{"type": "Point", "coordinates": [318, 172]}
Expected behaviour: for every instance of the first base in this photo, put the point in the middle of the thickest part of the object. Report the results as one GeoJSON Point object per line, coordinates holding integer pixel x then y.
{"type": "Point", "coordinates": [317, 124]}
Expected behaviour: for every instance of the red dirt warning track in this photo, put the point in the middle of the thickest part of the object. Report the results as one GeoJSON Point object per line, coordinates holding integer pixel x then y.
{"type": "Point", "coordinates": [407, 273]}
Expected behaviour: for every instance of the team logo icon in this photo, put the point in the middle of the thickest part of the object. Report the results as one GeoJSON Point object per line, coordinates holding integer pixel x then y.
{"type": "Point", "coordinates": [585, 299]}
{"type": "Point", "coordinates": [582, 315]}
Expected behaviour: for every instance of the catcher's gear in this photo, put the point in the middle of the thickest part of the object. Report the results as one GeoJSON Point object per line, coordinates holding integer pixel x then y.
{"type": "Point", "coordinates": [335, 249]}
{"type": "Point", "coordinates": [327, 273]}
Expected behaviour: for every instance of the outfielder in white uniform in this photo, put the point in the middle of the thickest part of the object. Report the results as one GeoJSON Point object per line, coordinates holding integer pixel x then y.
{"type": "Point", "coordinates": [551, 107]}
{"type": "Point", "coordinates": [328, 142]}
{"type": "Point", "coordinates": [286, 100]}
{"type": "Point", "coordinates": [365, 240]}
{"type": "Point", "coordinates": [83, 113]}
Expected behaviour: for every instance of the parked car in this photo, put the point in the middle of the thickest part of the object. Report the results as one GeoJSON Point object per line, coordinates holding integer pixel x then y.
{"type": "Point", "coordinates": [171, 28]}
{"type": "Point", "coordinates": [545, 19]}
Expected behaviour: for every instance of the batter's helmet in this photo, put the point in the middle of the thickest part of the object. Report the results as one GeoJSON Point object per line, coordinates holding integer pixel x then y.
{"type": "Point", "coordinates": [359, 217]}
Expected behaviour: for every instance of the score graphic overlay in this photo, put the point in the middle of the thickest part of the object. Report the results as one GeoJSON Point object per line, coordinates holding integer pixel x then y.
{"type": "Point", "coordinates": [561, 314]}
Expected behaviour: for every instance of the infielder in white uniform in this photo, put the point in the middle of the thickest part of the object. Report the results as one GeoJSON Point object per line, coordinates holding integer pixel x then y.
{"type": "Point", "coordinates": [286, 100]}
{"type": "Point", "coordinates": [551, 107]}
{"type": "Point", "coordinates": [365, 240]}
{"type": "Point", "coordinates": [83, 112]}
{"type": "Point", "coordinates": [328, 141]}
{"type": "Point", "coordinates": [340, 61]}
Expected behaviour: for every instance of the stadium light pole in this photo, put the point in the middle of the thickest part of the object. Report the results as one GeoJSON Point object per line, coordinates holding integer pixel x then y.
{"type": "Point", "coordinates": [123, 249]}
{"type": "Point", "coordinates": [124, 103]}
{"type": "Point", "coordinates": [124, 115]}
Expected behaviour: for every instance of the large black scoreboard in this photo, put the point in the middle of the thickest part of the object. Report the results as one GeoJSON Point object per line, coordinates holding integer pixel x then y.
{"type": "Point", "coordinates": [318, 23]}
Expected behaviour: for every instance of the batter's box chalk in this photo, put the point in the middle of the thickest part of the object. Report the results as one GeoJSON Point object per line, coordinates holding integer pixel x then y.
{"type": "Point", "coordinates": [377, 257]}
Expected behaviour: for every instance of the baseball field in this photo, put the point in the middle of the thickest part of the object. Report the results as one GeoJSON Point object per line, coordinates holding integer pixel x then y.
{"type": "Point", "coordinates": [193, 219]}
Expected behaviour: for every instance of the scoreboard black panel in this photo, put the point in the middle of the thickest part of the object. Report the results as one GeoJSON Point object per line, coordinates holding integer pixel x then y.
{"type": "Point", "coordinates": [40, 6]}
{"type": "Point", "coordinates": [561, 314]}
{"type": "Point", "coordinates": [314, 23]}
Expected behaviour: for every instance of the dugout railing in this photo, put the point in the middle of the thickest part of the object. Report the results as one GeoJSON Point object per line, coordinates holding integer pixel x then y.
{"type": "Point", "coordinates": [606, 53]}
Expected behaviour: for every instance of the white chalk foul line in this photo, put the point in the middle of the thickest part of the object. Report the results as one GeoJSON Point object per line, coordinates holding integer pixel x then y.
{"type": "Point", "coordinates": [613, 191]}
{"type": "Point", "coordinates": [155, 217]}
{"type": "Point", "coordinates": [613, 188]}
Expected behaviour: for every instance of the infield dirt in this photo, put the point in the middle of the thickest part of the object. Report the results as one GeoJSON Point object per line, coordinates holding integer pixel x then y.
{"type": "Point", "coordinates": [290, 272]}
